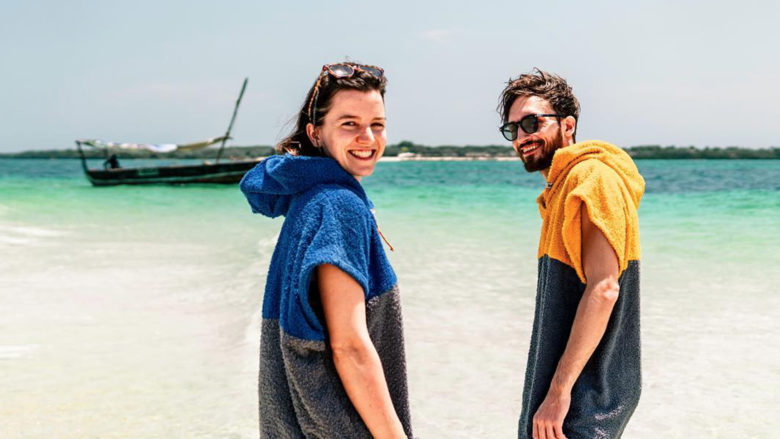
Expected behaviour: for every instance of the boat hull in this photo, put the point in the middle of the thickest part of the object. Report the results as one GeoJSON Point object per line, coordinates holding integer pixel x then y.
{"type": "Point", "coordinates": [218, 173]}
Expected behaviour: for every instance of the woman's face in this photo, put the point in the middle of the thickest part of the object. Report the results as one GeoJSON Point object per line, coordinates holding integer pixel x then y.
{"type": "Point", "coordinates": [353, 131]}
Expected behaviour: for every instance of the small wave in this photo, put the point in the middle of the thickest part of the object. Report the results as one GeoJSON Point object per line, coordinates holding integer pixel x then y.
{"type": "Point", "coordinates": [34, 231]}
{"type": "Point", "coordinates": [13, 240]}
{"type": "Point", "coordinates": [23, 235]}
{"type": "Point", "coordinates": [16, 351]}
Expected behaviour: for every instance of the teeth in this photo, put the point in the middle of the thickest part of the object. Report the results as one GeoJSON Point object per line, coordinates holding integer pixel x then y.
{"type": "Point", "coordinates": [530, 147]}
{"type": "Point", "coordinates": [362, 153]}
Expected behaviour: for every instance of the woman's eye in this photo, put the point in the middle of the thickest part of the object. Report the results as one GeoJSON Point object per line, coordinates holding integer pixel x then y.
{"type": "Point", "coordinates": [378, 125]}
{"type": "Point", "coordinates": [349, 124]}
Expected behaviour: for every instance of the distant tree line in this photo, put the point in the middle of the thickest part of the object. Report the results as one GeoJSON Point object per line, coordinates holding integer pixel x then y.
{"type": "Point", "coordinates": [637, 152]}
{"type": "Point", "coordinates": [409, 148]}
{"type": "Point", "coordinates": [230, 152]}
{"type": "Point", "coordinates": [449, 150]}
{"type": "Point", "coordinates": [690, 152]}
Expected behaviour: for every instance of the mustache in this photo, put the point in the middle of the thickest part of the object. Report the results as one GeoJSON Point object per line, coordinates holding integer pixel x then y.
{"type": "Point", "coordinates": [530, 142]}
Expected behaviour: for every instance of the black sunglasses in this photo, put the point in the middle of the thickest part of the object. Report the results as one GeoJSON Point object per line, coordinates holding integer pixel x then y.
{"type": "Point", "coordinates": [339, 70]}
{"type": "Point", "coordinates": [529, 124]}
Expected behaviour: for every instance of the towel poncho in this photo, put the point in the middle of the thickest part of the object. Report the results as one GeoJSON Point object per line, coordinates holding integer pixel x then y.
{"type": "Point", "coordinates": [605, 180]}
{"type": "Point", "coordinates": [328, 220]}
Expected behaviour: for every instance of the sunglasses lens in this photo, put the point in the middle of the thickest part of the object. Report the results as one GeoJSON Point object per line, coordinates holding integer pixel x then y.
{"type": "Point", "coordinates": [529, 124]}
{"type": "Point", "coordinates": [341, 70]}
{"type": "Point", "coordinates": [373, 71]}
{"type": "Point", "coordinates": [509, 131]}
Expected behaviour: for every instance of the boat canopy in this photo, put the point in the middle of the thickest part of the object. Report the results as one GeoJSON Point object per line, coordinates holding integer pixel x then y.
{"type": "Point", "coordinates": [156, 147]}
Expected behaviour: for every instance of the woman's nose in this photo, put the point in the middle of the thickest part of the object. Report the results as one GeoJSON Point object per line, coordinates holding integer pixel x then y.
{"type": "Point", "coordinates": [366, 135]}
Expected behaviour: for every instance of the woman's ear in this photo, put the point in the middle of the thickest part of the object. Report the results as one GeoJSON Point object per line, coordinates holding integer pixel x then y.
{"type": "Point", "coordinates": [314, 135]}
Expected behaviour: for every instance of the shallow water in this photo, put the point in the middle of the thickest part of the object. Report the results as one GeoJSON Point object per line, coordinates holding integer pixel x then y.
{"type": "Point", "coordinates": [133, 311]}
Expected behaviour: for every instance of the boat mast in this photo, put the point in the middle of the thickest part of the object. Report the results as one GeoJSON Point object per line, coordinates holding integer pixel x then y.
{"type": "Point", "coordinates": [232, 119]}
{"type": "Point", "coordinates": [83, 159]}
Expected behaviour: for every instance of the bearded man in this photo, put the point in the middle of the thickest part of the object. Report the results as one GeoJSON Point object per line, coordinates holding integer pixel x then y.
{"type": "Point", "coordinates": [583, 374]}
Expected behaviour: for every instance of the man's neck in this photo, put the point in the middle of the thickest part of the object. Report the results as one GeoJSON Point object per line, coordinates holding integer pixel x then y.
{"type": "Point", "coordinates": [546, 171]}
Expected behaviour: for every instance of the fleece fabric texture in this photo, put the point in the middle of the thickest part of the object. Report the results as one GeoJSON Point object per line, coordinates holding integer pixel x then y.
{"type": "Point", "coordinates": [328, 220]}
{"type": "Point", "coordinates": [603, 179]}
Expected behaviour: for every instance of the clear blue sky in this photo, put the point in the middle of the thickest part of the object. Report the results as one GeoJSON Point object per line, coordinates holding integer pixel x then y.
{"type": "Point", "coordinates": [646, 72]}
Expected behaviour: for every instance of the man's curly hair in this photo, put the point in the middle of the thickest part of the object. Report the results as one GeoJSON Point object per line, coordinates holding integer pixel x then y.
{"type": "Point", "coordinates": [545, 85]}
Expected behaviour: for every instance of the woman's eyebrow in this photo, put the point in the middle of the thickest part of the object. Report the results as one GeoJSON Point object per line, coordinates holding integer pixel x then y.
{"type": "Point", "coordinates": [352, 116]}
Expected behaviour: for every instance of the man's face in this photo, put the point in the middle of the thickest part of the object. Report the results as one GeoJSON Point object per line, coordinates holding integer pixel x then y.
{"type": "Point", "coordinates": [536, 150]}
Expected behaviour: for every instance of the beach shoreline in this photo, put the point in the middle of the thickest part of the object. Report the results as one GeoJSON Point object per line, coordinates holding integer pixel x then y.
{"type": "Point", "coordinates": [448, 159]}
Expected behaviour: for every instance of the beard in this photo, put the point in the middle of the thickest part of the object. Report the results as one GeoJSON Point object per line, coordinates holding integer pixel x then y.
{"type": "Point", "coordinates": [542, 160]}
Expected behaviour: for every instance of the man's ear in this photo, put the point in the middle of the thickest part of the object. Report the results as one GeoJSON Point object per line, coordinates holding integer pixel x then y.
{"type": "Point", "coordinates": [314, 135]}
{"type": "Point", "coordinates": [568, 128]}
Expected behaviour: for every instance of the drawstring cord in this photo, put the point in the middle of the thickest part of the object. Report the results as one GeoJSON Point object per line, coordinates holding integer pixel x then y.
{"type": "Point", "coordinates": [376, 222]}
{"type": "Point", "coordinates": [383, 238]}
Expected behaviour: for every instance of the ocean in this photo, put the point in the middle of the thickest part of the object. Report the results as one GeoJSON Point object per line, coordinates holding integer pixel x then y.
{"type": "Point", "coordinates": [133, 312]}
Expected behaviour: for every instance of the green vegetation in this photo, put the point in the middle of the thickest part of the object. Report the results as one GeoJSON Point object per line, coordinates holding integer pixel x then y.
{"type": "Point", "coordinates": [637, 152]}
{"type": "Point", "coordinates": [690, 152]}
{"type": "Point", "coordinates": [449, 150]}
{"type": "Point", "coordinates": [469, 151]}
{"type": "Point", "coordinates": [230, 153]}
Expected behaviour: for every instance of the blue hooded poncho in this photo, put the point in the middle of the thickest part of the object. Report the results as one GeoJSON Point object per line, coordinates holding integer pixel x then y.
{"type": "Point", "coordinates": [328, 220]}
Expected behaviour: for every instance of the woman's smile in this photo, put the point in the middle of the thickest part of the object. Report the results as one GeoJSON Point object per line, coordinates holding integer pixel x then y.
{"type": "Point", "coordinates": [363, 154]}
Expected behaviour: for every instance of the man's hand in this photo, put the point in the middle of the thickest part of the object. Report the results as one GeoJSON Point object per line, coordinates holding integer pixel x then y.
{"type": "Point", "coordinates": [548, 420]}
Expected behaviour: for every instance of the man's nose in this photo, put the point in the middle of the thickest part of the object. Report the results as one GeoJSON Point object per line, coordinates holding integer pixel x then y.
{"type": "Point", "coordinates": [521, 136]}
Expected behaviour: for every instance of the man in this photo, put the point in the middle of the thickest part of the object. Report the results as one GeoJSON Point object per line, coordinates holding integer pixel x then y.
{"type": "Point", "coordinates": [583, 374]}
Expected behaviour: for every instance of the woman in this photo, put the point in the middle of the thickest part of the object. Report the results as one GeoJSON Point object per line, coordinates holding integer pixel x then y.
{"type": "Point", "coordinates": [332, 361]}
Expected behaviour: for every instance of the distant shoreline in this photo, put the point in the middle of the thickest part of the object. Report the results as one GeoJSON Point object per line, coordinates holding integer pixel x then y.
{"type": "Point", "coordinates": [408, 151]}
{"type": "Point", "coordinates": [392, 159]}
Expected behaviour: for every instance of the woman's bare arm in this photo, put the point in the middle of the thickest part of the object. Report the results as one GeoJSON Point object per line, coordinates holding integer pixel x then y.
{"type": "Point", "coordinates": [356, 359]}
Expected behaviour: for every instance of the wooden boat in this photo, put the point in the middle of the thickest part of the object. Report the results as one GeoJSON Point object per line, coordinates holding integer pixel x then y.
{"type": "Point", "coordinates": [229, 172]}
{"type": "Point", "coordinates": [226, 172]}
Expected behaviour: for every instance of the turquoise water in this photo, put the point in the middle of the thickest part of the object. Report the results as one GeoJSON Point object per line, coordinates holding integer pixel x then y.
{"type": "Point", "coordinates": [135, 308]}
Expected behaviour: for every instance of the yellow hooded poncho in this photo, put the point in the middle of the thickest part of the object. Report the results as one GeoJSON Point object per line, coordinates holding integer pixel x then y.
{"type": "Point", "coordinates": [604, 179]}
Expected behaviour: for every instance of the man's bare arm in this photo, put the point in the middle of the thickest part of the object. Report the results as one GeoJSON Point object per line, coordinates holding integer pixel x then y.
{"type": "Point", "coordinates": [600, 264]}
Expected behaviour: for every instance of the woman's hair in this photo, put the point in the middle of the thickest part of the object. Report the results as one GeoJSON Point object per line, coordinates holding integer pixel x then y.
{"type": "Point", "coordinates": [298, 142]}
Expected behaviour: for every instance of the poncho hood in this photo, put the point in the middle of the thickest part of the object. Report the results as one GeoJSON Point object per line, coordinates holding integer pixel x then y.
{"type": "Point", "coordinates": [275, 181]}
{"type": "Point", "coordinates": [616, 158]}
{"type": "Point", "coordinates": [602, 178]}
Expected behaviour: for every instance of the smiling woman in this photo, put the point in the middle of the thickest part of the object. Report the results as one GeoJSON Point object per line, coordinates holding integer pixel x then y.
{"type": "Point", "coordinates": [353, 131]}
{"type": "Point", "coordinates": [323, 372]}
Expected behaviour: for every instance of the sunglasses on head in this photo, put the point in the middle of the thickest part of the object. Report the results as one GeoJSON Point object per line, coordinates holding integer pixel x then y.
{"type": "Point", "coordinates": [339, 70]}
{"type": "Point", "coordinates": [529, 124]}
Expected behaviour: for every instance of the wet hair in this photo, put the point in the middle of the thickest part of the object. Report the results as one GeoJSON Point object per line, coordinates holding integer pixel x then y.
{"type": "Point", "coordinates": [298, 142]}
{"type": "Point", "coordinates": [548, 86]}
